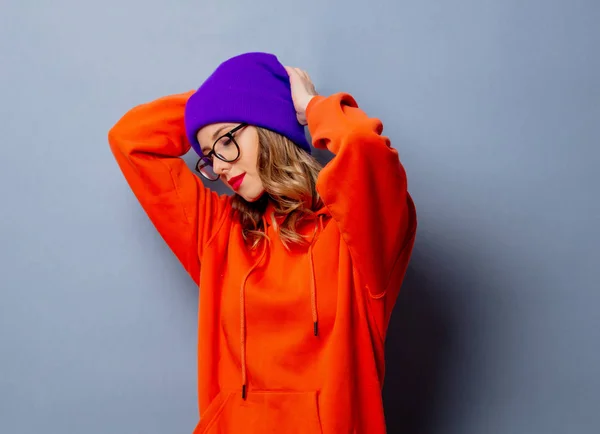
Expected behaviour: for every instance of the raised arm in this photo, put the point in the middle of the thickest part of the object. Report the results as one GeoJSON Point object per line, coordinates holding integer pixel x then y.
{"type": "Point", "coordinates": [147, 143]}
{"type": "Point", "coordinates": [365, 189]}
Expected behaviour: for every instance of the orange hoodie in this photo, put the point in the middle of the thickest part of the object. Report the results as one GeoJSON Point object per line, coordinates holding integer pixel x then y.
{"type": "Point", "coordinates": [288, 341]}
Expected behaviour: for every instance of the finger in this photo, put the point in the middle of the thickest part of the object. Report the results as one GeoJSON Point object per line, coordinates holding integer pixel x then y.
{"type": "Point", "coordinates": [290, 70]}
{"type": "Point", "coordinates": [299, 72]}
{"type": "Point", "coordinates": [307, 77]}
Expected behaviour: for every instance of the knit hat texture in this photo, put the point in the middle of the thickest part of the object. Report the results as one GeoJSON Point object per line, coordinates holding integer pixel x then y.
{"type": "Point", "coordinates": [253, 88]}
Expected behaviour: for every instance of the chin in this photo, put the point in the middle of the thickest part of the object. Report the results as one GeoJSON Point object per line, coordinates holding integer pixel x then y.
{"type": "Point", "coordinates": [252, 197]}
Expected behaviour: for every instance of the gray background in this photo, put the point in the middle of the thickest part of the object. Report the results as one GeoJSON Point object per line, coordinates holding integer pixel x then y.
{"type": "Point", "coordinates": [495, 108]}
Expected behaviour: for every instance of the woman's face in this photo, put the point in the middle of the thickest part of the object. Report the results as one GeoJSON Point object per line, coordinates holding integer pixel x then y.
{"type": "Point", "coordinates": [241, 175]}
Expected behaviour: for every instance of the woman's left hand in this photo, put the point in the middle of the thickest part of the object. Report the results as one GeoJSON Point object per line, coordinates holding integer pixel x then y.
{"type": "Point", "coordinates": [303, 90]}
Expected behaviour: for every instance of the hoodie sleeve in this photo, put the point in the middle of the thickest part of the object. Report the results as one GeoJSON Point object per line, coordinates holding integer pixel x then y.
{"type": "Point", "coordinates": [365, 189]}
{"type": "Point", "coordinates": [147, 143]}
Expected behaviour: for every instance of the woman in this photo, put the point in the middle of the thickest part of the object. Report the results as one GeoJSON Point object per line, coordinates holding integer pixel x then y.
{"type": "Point", "coordinates": [300, 268]}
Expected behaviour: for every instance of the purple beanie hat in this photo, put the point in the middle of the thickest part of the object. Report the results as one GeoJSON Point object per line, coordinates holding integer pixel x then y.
{"type": "Point", "coordinates": [253, 88]}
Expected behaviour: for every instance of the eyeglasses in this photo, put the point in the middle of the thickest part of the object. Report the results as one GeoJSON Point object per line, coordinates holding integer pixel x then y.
{"type": "Point", "coordinates": [225, 149]}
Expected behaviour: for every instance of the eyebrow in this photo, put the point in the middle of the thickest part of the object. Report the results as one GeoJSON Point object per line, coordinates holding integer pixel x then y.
{"type": "Point", "coordinates": [219, 132]}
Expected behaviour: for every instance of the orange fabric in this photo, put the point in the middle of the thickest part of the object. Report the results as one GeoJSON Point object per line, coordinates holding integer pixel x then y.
{"type": "Point", "coordinates": [288, 341]}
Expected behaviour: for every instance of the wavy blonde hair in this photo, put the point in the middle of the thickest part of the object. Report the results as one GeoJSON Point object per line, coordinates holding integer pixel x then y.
{"type": "Point", "coordinates": [289, 176]}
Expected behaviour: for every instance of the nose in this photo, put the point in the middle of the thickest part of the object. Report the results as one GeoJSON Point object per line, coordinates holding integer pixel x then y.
{"type": "Point", "coordinates": [220, 166]}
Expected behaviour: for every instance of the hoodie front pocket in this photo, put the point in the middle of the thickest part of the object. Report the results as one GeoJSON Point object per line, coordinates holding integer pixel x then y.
{"type": "Point", "coordinates": [262, 412]}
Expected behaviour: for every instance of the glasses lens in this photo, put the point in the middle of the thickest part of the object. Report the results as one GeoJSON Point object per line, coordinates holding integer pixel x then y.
{"type": "Point", "coordinates": [205, 168]}
{"type": "Point", "coordinates": [226, 149]}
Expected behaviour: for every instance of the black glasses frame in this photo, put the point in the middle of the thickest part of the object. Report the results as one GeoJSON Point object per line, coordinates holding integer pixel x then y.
{"type": "Point", "coordinates": [208, 158]}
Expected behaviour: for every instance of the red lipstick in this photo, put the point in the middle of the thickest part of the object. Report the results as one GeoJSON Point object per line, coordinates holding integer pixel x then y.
{"type": "Point", "coordinates": [236, 181]}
